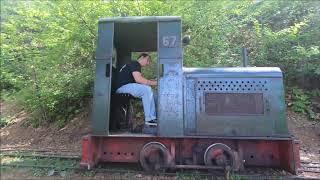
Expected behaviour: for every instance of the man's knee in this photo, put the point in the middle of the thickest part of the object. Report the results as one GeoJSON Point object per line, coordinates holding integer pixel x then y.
{"type": "Point", "coordinates": [147, 89]}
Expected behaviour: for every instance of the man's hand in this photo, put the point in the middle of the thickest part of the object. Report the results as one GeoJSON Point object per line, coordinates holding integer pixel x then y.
{"type": "Point", "coordinates": [153, 83]}
{"type": "Point", "coordinates": [141, 80]}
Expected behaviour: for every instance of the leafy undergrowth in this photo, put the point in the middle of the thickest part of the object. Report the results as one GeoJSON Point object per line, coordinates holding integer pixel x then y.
{"type": "Point", "coordinates": [4, 121]}
{"type": "Point", "coordinates": [305, 102]}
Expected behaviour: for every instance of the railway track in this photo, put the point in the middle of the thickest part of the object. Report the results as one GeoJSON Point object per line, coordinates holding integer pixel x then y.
{"type": "Point", "coordinates": [250, 173]}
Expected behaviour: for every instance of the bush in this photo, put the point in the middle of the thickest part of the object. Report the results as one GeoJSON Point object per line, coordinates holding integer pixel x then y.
{"type": "Point", "coordinates": [300, 100]}
{"type": "Point", "coordinates": [306, 102]}
{"type": "Point", "coordinates": [47, 47]}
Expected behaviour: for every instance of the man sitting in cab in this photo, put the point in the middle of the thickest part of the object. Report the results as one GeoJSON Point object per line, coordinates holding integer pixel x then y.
{"type": "Point", "coordinates": [131, 81]}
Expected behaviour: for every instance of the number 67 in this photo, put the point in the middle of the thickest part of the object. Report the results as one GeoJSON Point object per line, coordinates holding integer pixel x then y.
{"type": "Point", "coordinates": [169, 41]}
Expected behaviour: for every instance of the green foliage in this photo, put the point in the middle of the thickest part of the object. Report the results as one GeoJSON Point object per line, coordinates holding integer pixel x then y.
{"type": "Point", "coordinates": [300, 100]}
{"type": "Point", "coordinates": [47, 47]}
{"type": "Point", "coordinates": [4, 121]}
{"type": "Point", "coordinates": [49, 64]}
{"type": "Point", "coordinates": [306, 102]}
{"type": "Point", "coordinates": [315, 93]}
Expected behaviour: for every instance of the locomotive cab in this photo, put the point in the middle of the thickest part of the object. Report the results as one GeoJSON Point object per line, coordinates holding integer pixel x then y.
{"type": "Point", "coordinates": [118, 38]}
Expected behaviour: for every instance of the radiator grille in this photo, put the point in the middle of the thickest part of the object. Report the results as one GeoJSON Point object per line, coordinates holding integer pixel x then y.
{"type": "Point", "coordinates": [232, 85]}
{"type": "Point", "coordinates": [234, 103]}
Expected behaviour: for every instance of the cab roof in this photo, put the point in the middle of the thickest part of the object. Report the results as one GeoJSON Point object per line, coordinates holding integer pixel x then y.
{"type": "Point", "coordinates": [137, 34]}
{"type": "Point", "coordinates": [140, 19]}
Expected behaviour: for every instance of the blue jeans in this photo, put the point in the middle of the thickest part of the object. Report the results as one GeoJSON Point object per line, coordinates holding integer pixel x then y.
{"type": "Point", "coordinates": [144, 92]}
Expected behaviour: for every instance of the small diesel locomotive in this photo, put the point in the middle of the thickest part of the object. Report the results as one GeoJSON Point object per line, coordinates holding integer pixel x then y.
{"type": "Point", "coordinates": [208, 118]}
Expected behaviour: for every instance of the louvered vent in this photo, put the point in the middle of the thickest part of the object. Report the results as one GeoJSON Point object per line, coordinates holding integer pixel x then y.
{"type": "Point", "coordinates": [232, 85]}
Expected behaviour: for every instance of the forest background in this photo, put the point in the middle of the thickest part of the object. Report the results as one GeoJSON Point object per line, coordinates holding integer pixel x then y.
{"type": "Point", "coordinates": [48, 47]}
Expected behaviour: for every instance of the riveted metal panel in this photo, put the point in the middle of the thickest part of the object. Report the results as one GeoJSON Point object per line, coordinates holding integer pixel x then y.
{"type": "Point", "coordinates": [240, 81]}
{"type": "Point", "coordinates": [102, 85]}
{"type": "Point", "coordinates": [234, 120]}
{"type": "Point", "coordinates": [190, 106]}
{"type": "Point", "coordinates": [170, 84]}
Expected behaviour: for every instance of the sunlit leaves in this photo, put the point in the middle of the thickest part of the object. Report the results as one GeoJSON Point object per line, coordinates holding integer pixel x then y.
{"type": "Point", "coordinates": [47, 47]}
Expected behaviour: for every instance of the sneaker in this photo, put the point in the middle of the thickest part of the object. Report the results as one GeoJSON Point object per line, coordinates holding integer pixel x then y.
{"type": "Point", "coordinates": [153, 122]}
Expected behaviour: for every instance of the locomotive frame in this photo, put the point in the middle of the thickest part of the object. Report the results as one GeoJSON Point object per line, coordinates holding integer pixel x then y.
{"type": "Point", "coordinates": [208, 118]}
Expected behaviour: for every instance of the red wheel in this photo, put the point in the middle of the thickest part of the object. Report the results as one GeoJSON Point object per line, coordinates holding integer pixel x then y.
{"type": "Point", "coordinates": [219, 154]}
{"type": "Point", "coordinates": [154, 156]}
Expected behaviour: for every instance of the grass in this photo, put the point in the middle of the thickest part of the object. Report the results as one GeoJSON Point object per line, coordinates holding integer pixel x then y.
{"type": "Point", "coordinates": [183, 176]}
{"type": "Point", "coordinates": [4, 121]}
{"type": "Point", "coordinates": [64, 168]}
{"type": "Point", "coordinates": [61, 168]}
{"type": "Point", "coordinates": [43, 166]}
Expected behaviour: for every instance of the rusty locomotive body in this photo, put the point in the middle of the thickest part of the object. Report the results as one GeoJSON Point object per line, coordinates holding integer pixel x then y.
{"type": "Point", "coordinates": [207, 117]}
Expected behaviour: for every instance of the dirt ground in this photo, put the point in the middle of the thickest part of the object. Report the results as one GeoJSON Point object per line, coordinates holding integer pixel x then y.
{"type": "Point", "coordinates": [20, 136]}
{"type": "Point", "coordinates": [308, 133]}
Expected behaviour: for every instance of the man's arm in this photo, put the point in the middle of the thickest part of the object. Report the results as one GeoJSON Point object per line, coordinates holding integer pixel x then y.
{"type": "Point", "coordinates": [141, 80]}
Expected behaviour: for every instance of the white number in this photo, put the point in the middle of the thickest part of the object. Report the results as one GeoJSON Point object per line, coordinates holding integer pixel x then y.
{"type": "Point", "coordinates": [173, 38]}
{"type": "Point", "coordinates": [165, 41]}
{"type": "Point", "coordinates": [169, 41]}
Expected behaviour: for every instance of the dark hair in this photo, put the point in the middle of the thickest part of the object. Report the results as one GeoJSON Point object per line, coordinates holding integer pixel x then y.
{"type": "Point", "coordinates": [144, 55]}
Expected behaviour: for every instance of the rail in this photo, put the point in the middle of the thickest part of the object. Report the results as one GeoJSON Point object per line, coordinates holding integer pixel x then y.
{"type": "Point", "coordinates": [306, 166]}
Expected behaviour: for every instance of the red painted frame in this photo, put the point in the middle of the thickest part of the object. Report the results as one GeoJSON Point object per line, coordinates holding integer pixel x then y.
{"type": "Point", "coordinates": [255, 152]}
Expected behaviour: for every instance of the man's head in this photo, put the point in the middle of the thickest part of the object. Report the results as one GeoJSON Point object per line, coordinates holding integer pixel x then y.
{"type": "Point", "coordinates": [144, 59]}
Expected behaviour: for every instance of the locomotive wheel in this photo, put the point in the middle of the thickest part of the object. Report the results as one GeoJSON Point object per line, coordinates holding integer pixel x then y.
{"type": "Point", "coordinates": [219, 154]}
{"type": "Point", "coordinates": [154, 156]}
